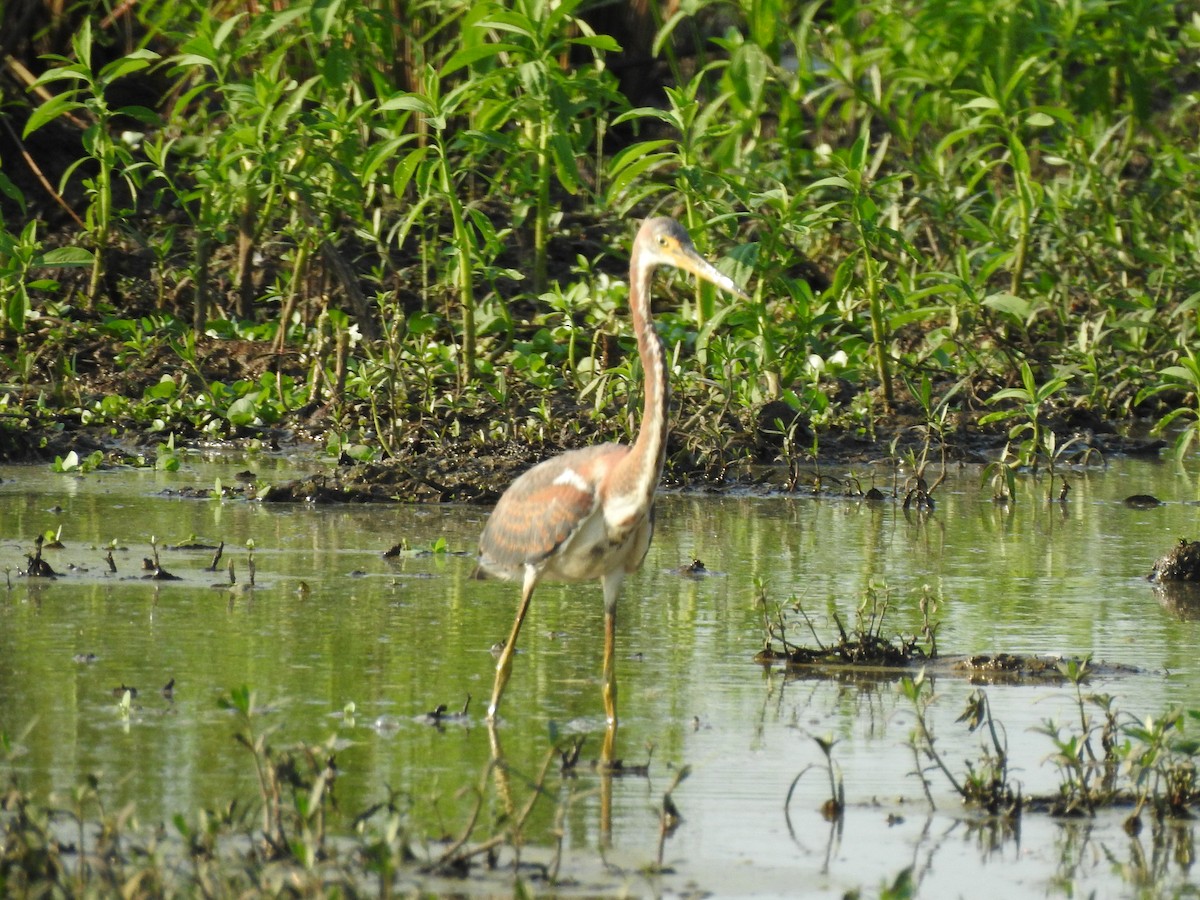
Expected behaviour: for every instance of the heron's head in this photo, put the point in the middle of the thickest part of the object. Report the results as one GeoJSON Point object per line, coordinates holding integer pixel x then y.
{"type": "Point", "coordinates": [662, 241]}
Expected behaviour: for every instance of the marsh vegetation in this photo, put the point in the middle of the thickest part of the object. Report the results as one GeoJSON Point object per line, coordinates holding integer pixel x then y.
{"type": "Point", "coordinates": [398, 237]}
{"type": "Point", "coordinates": [964, 227]}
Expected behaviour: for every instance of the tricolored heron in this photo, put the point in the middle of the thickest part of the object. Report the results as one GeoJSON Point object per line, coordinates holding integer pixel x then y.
{"type": "Point", "coordinates": [588, 513]}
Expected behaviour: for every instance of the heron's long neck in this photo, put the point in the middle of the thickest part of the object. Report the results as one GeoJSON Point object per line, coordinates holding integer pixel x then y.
{"type": "Point", "coordinates": [643, 465]}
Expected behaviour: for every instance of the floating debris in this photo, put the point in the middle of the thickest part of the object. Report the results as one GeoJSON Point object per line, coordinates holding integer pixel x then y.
{"type": "Point", "coordinates": [980, 668]}
{"type": "Point", "coordinates": [1142, 501]}
{"type": "Point", "coordinates": [440, 714]}
{"type": "Point", "coordinates": [38, 567]}
{"type": "Point", "coordinates": [694, 569]}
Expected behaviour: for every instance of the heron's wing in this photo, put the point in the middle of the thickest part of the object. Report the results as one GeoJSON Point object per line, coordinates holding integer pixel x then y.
{"type": "Point", "coordinates": [544, 507]}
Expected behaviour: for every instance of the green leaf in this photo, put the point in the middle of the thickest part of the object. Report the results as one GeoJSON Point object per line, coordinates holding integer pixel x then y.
{"type": "Point", "coordinates": [183, 60]}
{"type": "Point", "coordinates": [65, 256]}
{"type": "Point", "coordinates": [59, 105]}
{"type": "Point", "coordinates": [1020, 157]}
{"type": "Point", "coordinates": [1009, 394]}
{"type": "Point", "coordinates": [468, 56]}
{"type": "Point", "coordinates": [597, 42]}
{"type": "Point", "coordinates": [646, 112]}
{"type": "Point", "coordinates": [68, 463]}
{"type": "Point", "coordinates": [510, 22]}
{"type": "Point", "coordinates": [1010, 304]}
{"type": "Point", "coordinates": [64, 73]}
{"type": "Point", "coordinates": [244, 410]}
{"type": "Point", "coordinates": [981, 103]}
{"type": "Point", "coordinates": [128, 64]}
{"type": "Point", "coordinates": [410, 102]}
{"type": "Point", "coordinates": [565, 165]}
{"type": "Point", "coordinates": [11, 191]}
{"type": "Point", "coordinates": [284, 112]}
{"type": "Point", "coordinates": [406, 168]}
{"type": "Point", "coordinates": [859, 152]}
{"type": "Point", "coordinates": [1183, 373]}
{"type": "Point", "coordinates": [831, 181]}
{"type": "Point", "coordinates": [635, 161]}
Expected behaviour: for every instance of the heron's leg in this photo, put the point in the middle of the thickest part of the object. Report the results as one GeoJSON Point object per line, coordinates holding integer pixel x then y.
{"type": "Point", "coordinates": [500, 771]}
{"type": "Point", "coordinates": [504, 664]}
{"type": "Point", "coordinates": [612, 590]}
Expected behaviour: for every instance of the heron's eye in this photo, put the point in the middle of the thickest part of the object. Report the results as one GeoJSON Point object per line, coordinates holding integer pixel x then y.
{"type": "Point", "coordinates": [662, 240]}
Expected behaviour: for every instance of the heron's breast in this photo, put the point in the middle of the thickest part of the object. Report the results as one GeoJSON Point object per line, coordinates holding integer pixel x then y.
{"type": "Point", "coordinates": [597, 549]}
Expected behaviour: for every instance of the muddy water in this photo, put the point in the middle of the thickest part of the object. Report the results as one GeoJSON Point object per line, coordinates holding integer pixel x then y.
{"type": "Point", "coordinates": [329, 622]}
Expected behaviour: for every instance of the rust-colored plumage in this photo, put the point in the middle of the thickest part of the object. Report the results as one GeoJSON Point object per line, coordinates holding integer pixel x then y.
{"type": "Point", "coordinates": [588, 514]}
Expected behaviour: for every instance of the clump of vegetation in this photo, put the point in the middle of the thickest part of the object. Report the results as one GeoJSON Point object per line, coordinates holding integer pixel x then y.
{"type": "Point", "coordinates": [1104, 761]}
{"type": "Point", "coordinates": [1179, 564]}
{"type": "Point", "coordinates": [307, 221]}
{"type": "Point", "coordinates": [864, 645]}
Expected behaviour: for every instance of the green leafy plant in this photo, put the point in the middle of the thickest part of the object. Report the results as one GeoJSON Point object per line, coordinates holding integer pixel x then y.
{"type": "Point", "coordinates": [296, 787]}
{"type": "Point", "coordinates": [1181, 379]}
{"type": "Point", "coordinates": [21, 255]}
{"type": "Point", "coordinates": [540, 111]}
{"type": "Point", "coordinates": [1033, 439]}
{"type": "Point", "coordinates": [112, 156]}
{"type": "Point", "coordinates": [73, 463]}
{"type": "Point", "coordinates": [873, 238]}
{"type": "Point", "coordinates": [429, 167]}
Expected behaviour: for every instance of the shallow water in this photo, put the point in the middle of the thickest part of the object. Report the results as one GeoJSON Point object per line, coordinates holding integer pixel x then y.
{"type": "Point", "coordinates": [329, 622]}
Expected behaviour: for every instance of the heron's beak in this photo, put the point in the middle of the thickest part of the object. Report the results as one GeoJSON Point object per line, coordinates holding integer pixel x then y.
{"type": "Point", "coordinates": [691, 261]}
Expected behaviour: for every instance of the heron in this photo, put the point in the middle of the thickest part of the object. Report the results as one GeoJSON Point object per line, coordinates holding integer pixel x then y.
{"type": "Point", "coordinates": [588, 514]}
